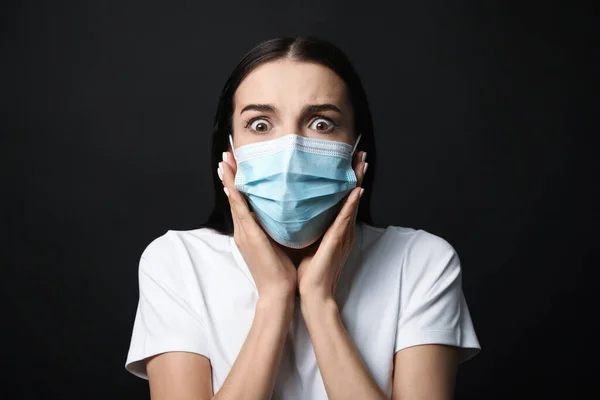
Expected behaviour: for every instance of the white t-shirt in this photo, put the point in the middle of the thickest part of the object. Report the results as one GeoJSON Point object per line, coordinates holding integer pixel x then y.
{"type": "Point", "coordinates": [400, 287]}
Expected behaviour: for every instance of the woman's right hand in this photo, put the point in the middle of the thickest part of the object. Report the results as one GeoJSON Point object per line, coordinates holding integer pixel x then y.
{"type": "Point", "coordinates": [274, 273]}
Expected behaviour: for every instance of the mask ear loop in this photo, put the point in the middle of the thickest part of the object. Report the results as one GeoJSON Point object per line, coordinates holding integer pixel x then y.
{"type": "Point", "coordinates": [232, 148]}
{"type": "Point", "coordinates": [355, 144]}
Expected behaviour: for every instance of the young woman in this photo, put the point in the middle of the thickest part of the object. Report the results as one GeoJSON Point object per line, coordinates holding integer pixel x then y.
{"type": "Point", "coordinates": [289, 291]}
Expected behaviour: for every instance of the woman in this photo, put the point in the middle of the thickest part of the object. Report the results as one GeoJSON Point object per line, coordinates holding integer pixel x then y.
{"type": "Point", "coordinates": [289, 291]}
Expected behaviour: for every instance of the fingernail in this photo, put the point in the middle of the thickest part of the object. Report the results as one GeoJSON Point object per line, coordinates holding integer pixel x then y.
{"type": "Point", "coordinates": [220, 172]}
{"type": "Point", "coordinates": [225, 156]}
{"type": "Point", "coordinates": [361, 193]}
{"type": "Point", "coordinates": [365, 168]}
{"type": "Point", "coordinates": [226, 191]}
{"type": "Point", "coordinates": [364, 156]}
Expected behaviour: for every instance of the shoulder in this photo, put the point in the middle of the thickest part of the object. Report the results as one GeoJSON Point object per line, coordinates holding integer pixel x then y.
{"type": "Point", "coordinates": [174, 249]}
{"type": "Point", "coordinates": [405, 241]}
{"type": "Point", "coordinates": [426, 246]}
{"type": "Point", "coordinates": [174, 241]}
{"type": "Point", "coordinates": [430, 263]}
{"type": "Point", "coordinates": [416, 251]}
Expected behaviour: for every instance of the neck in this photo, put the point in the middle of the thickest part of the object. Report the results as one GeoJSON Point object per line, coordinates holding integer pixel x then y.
{"type": "Point", "coordinates": [296, 255]}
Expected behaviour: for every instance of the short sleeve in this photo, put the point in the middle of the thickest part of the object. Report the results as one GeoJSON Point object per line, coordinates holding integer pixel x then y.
{"type": "Point", "coordinates": [433, 307]}
{"type": "Point", "coordinates": [164, 319]}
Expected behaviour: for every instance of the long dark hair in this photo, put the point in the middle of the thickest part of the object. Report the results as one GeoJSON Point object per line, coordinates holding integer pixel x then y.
{"type": "Point", "coordinates": [308, 49]}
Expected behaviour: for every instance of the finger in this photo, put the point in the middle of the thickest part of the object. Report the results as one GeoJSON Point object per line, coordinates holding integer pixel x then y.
{"type": "Point", "coordinates": [234, 217]}
{"type": "Point", "coordinates": [236, 200]}
{"type": "Point", "coordinates": [230, 159]}
{"type": "Point", "coordinates": [358, 157]}
{"type": "Point", "coordinates": [228, 183]}
{"type": "Point", "coordinates": [347, 215]}
{"type": "Point", "coordinates": [360, 166]}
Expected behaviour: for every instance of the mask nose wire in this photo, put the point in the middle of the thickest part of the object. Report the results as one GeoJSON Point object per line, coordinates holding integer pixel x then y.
{"type": "Point", "coordinates": [353, 149]}
{"type": "Point", "coordinates": [355, 144]}
{"type": "Point", "coordinates": [232, 148]}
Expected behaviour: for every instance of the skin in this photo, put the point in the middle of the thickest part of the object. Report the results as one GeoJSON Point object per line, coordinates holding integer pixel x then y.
{"type": "Point", "coordinates": [289, 86]}
{"type": "Point", "coordinates": [420, 372]}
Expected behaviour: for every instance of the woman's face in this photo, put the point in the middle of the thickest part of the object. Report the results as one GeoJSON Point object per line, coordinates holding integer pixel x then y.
{"type": "Point", "coordinates": [283, 97]}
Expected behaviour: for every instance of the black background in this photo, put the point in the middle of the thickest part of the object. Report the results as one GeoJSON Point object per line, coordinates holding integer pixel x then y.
{"type": "Point", "coordinates": [480, 116]}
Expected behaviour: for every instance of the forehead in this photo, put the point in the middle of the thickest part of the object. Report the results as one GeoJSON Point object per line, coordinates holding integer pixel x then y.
{"type": "Point", "coordinates": [288, 83]}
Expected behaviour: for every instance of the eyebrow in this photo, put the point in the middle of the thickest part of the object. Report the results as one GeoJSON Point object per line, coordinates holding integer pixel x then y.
{"type": "Point", "coordinates": [259, 107]}
{"type": "Point", "coordinates": [312, 108]}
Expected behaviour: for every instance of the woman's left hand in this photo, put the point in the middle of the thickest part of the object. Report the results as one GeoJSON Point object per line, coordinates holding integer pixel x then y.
{"type": "Point", "coordinates": [319, 271]}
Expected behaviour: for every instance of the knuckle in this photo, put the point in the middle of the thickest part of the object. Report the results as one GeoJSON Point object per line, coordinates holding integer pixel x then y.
{"type": "Point", "coordinates": [347, 216]}
{"type": "Point", "coordinates": [243, 217]}
{"type": "Point", "coordinates": [335, 241]}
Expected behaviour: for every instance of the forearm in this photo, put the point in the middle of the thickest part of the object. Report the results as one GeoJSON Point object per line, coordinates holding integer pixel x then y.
{"type": "Point", "coordinates": [254, 371]}
{"type": "Point", "coordinates": [344, 374]}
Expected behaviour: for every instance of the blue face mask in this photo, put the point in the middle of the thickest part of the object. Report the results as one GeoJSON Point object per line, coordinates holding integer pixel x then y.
{"type": "Point", "coordinates": [294, 185]}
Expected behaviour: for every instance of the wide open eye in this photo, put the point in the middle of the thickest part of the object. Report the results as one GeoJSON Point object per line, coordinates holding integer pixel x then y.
{"type": "Point", "coordinates": [259, 125]}
{"type": "Point", "coordinates": [322, 124]}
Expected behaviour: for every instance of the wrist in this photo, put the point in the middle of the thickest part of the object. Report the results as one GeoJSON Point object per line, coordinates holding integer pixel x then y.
{"type": "Point", "coordinates": [284, 302]}
{"type": "Point", "coordinates": [314, 294]}
{"type": "Point", "coordinates": [313, 303]}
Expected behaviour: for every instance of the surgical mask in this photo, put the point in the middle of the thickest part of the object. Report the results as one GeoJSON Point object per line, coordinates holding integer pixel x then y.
{"type": "Point", "coordinates": [295, 184]}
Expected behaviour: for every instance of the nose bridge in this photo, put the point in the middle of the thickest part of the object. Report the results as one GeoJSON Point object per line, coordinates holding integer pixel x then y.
{"type": "Point", "coordinates": [291, 120]}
